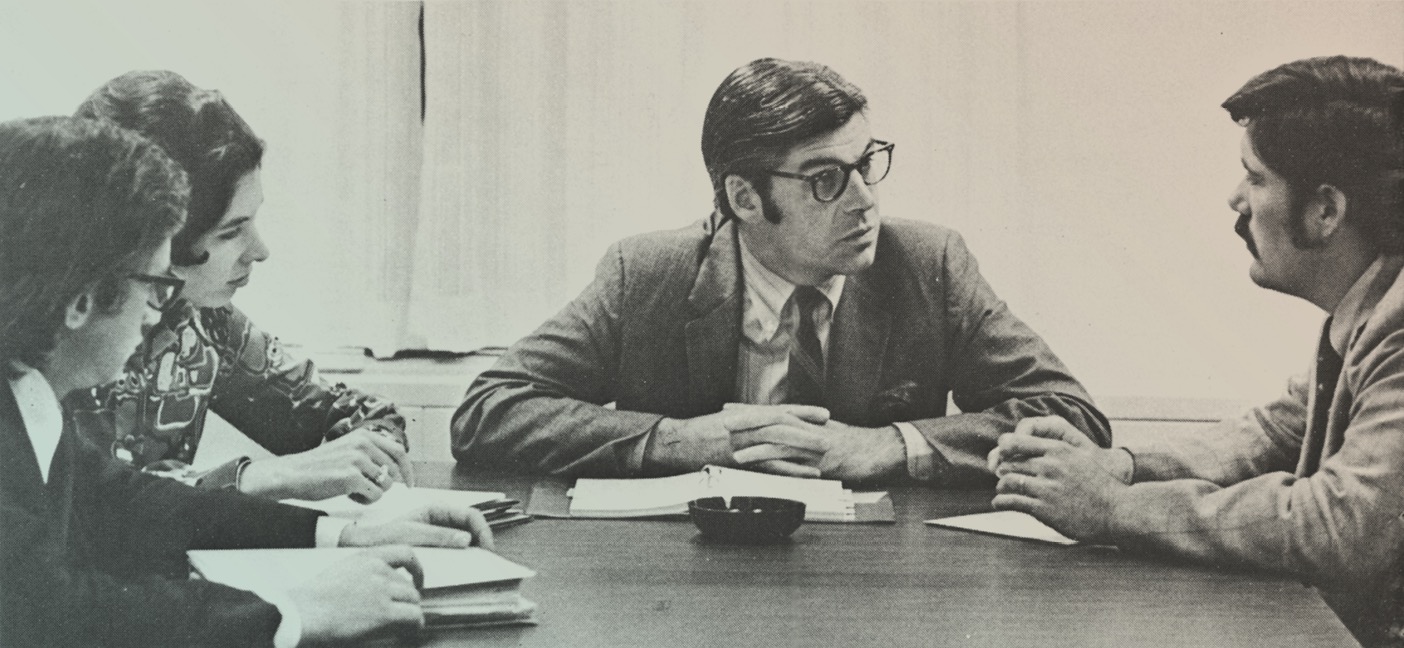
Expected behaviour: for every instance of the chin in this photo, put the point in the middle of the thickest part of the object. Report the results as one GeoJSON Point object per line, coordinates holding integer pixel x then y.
{"type": "Point", "coordinates": [865, 259]}
{"type": "Point", "coordinates": [856, 265]}
{"type": "Point", "coordinates": [1265, 279]}
{"type": "Point", "coordinates": [218, 299]}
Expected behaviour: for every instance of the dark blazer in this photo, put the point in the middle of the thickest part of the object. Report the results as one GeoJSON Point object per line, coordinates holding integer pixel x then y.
{"type": "Point", "coordinates": [657, 334]}
{"type": "Point", "coordinates": [97, 556]}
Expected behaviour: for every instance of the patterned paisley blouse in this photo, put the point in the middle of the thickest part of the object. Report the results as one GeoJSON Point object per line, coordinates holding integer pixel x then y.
{"type": "Point", "coordinates": [196, 360]}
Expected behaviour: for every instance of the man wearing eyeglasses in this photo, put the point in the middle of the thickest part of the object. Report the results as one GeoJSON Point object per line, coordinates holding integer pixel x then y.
{"type": "Point", "coordinates": [92, 552]}
{"type": "Point", "coordinates": [793, 332]}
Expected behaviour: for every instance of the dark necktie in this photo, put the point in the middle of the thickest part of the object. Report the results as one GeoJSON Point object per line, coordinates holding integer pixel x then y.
{"type": "Point", "coordinates": [806, 373]}
{"type": "Point", "coordinates": [1328, 371]}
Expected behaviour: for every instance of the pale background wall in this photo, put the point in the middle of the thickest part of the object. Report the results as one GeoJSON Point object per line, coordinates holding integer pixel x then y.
{"type": "Point", "coordinates": [1078, 146]}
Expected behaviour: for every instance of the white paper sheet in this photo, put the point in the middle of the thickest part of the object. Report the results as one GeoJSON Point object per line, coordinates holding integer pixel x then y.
{"type": "Point", "coordinates": [1013, 524]}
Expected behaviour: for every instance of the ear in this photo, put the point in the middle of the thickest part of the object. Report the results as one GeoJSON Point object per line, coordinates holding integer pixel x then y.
{"type": "Point", "coordinates": [1324, 213]}
{"type": "Point", "coordinates": [80, 310]}
{"type": "Point", "coordinates": [743, 198]}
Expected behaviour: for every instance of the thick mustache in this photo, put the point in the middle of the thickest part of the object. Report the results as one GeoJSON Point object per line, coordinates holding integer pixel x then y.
{"type": "Point", "coordinates": [1241, 228]}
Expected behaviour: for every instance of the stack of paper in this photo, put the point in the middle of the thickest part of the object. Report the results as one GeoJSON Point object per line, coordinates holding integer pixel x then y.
{"type": "Point", "coordinates": [400, 500]}
{"type": "Point", "coordinates": [825, 500]}
{"type": "Point", "coordinates": [461, 586]}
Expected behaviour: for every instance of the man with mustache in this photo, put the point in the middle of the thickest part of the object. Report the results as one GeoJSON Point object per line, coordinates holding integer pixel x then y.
{"type": "Point", "coordinates": [1313, 483]}
{"type": "Point", "coordinates": [835, 336]}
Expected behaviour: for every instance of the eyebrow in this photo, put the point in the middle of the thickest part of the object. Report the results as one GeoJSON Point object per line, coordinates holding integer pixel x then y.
{"type": "Point", "coordinates": [829, 160]}
{"type": "Point", "coordinates": [234, 222]}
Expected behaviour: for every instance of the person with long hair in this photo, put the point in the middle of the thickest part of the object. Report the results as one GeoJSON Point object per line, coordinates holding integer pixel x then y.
{"type": "Point", "coordinates": [205, 355]}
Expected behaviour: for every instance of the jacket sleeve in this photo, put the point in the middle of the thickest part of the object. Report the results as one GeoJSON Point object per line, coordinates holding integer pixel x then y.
{"type": "Point", "coordinates": [540, 409]}
{"type": "Point", "coordinates": [133, 590]}
{"type": "Point", "coordinates": [1003, 372]}
{"type": "Point", "coordinates": [1339, 528]}
{"type": "Point", "coordinates": [1263, 440]}
{"type": "Point", "coordinates": [280, 402]}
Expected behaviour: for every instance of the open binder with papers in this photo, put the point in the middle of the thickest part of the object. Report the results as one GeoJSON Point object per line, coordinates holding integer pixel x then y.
{"type": "Point", "coordinates": [462, 587]}
{"type": "Point", "coordinates": [825, 500]}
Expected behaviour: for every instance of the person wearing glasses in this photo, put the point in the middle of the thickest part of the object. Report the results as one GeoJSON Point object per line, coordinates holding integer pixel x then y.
{"type": "Point", "coordinates": [794, 331]}
{"type": "Point", "coordinates": [205, 354]}
{"type": "Point", "coordinates": [92, 551]}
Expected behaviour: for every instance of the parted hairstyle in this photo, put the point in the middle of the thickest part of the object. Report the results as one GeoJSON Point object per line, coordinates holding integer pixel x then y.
{"type": "Point", "coordinates": [83, 204]}
{"type": "Point", "coordinates": [1338, 121]}
{"type": "Point", "coordinates": [197, 128]}
{"type": "Point", "coordinates": [763, 109]}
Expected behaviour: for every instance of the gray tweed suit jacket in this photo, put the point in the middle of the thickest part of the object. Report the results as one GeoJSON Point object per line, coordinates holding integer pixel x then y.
{"type": "Point", "coordinates": [656, 334]}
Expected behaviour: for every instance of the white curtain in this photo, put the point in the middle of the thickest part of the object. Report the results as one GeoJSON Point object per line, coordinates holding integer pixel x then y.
{"type": "Point", "coordinates": [488, 254]}
{"type": "Point", "coordinates": [347, 146]}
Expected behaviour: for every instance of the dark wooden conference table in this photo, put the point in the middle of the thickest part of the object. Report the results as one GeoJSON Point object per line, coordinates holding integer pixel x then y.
{"type": "Point", "coordinates": [657, 583]}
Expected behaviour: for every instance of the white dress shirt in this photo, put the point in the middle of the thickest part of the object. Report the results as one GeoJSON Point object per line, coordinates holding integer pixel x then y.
{"type": "Point", "coordinates": [42, 415]}
{"type": "Point", "coordinates": [769, 320]}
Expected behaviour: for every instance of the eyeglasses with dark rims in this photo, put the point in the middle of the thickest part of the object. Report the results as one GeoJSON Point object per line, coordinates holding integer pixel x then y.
{"type": "Point", "coordinates": [828, 184]}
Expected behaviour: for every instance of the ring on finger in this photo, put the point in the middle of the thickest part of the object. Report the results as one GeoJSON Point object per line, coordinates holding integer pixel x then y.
{"type": "Point", "coordinates": [382, 478]}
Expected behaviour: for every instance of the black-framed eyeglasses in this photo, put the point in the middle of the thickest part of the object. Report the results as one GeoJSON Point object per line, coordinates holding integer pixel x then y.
{"type": "Point", "coordinates": [164, 289]}
{"type": "Point", "coordinates": [828, 184]}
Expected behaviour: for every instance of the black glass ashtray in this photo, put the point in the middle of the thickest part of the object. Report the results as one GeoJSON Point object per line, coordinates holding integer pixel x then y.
{"type": "Point", "coordinates": [745, 519]}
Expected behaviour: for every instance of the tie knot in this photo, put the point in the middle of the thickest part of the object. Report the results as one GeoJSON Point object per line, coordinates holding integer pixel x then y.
{"type": "Point", "coordinates": [808, 298]}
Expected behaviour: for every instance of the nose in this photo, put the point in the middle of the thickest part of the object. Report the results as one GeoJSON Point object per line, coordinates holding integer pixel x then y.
{"type": "Point", "coordinates": [861, 197]}
{"type": "Point", "coordinates": [150, 318]}
{"type": "Point", "coordinates": [1238, 200]}
{"type": "Point", "coordinates": [257, 250]}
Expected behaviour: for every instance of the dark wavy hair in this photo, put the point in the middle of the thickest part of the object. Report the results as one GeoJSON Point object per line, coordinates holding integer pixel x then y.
{"type": "Point", "coordinates": [197, 128]}
{"type": "Point", "coordinates": [1333, 120]}
{"type": "Point", "coordinates": [82, 204]}
{"type": "Point", "coordinates": [764, 108]}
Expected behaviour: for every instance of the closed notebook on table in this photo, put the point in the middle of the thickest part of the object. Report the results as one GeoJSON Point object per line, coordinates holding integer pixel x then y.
{"type": "Point", "coordinates": [461, 586]}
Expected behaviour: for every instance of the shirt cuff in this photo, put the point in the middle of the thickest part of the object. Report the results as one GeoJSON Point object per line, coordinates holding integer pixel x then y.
{"type": "Point", "coordinates": [640, 450]}
{"type": "Point", "coordinates": [920, 464]}
{"type": "Point", "coordinates": [329, 531]}
{"type": "Point", "coordinates": [289, 633]}
{"type": "Point", "coordinates": [226, 475]}
{"type": "Point", "coordinates": [1129, 477]}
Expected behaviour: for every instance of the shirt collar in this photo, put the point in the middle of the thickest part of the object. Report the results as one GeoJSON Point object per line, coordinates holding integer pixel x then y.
{"type": "Point", "coordinates": [767, 293]}
{"type": "Point", "coordinates": [40, 411]}
{"type": "Point", "coordinates": [1359, 302]}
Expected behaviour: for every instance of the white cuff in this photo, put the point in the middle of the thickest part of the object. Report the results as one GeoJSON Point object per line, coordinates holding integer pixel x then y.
{"type": "Point", "coordinates": [289, 632]}
{"type": "Point", "coordinates": [329, 531]}
{"type": "Point", "coordinates": [919, 453]}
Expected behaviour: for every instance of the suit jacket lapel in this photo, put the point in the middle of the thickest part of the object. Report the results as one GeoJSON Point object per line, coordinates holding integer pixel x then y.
{"type": "Point", "coordinates": [857, 343]}
{"type": "Point", "coordinates": [714, 331]}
